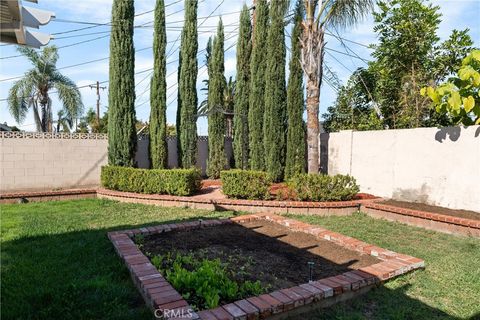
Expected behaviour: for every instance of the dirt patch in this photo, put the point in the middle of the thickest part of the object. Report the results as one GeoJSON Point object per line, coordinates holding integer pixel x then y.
{"type": "Point", "coordinates": [466, 214]}
{"type": "Point", "coordinates": [261, 250]}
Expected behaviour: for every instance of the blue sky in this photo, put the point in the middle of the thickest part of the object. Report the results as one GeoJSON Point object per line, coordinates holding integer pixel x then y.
{"type": "Point", "coordinates": [457, 14]}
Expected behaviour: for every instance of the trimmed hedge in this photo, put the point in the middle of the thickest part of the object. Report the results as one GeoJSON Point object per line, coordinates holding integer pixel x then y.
{"type": "Point", "coordinates": [245, 184]}
{"type": "Point", "coordinates": [320, 187]}
{"type": "Point", "coordinates": [179, 182]}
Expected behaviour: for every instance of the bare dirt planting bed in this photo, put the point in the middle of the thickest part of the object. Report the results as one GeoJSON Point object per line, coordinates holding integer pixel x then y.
{"type": "Point", "coordinates": [466, 214]}
{"type": "Point", "coordinates": [260, 250]}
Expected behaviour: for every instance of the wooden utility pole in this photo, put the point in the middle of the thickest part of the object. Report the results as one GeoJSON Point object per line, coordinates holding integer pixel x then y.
{"type": "Point", "coordinates": [97, 86]}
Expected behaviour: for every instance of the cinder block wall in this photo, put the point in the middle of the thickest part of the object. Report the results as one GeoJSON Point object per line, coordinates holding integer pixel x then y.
{"type": "Point", "coordinates": [437, 166]}
{"type": "Point", "coordinates": [39, 162]}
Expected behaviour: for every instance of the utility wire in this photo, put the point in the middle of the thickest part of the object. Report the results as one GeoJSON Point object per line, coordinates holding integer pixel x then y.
{"type": "Point", "coordinates": [106, 58]}
{"type": "Point", "coordinates": [88, 85]}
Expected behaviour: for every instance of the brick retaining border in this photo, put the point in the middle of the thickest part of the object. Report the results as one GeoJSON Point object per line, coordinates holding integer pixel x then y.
{"type": "Point", "coordinates": [36, 196]}
{"type": "Point", "coordinates": [423, 219]}
{"type": "Point", "coordinates": [160, 295]}
{"type": "Point", "coordinates": [251, 206]}
{"type": "Point", "coordinates": [372, 207]}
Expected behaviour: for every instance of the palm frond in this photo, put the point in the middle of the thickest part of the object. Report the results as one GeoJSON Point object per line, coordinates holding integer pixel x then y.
{"type": "Point", "coordinates": [343, 13]}
{"type": "Point", "coordinates": [20, 97]}
{"type": "Point", "coordinates": [69, 94]}
{"type": "Point", "coordinates": [31, 54]}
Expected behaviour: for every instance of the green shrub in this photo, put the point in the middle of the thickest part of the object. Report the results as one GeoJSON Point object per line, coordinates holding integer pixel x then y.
{"type": "Point", "coordinates": [319, 187]}
{"type": "Point", "coordinates": [203, 283]}
{"type": "Point", "coordinates": [179, 182]}
{"type": "Point", "coordinates": [245, 184]}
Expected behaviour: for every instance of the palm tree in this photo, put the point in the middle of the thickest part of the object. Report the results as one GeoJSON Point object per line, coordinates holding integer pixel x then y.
{"type": "Point", "coordinates": [319, 15]}
{"type": "Point", "coordinates": [64, 124]}
{"type": "Point", "coordinates": [32, 91]}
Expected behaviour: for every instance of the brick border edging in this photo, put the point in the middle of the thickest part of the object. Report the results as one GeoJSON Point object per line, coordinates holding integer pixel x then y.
{"type": "Point", "coordinates": [425, 215]}
{"type": "Point", "coordinates": [159, 294]}
{"type": "Point", "coordinates": [46, 195]}
{"type": "Point", "coordinates": [239, 202]}
{"type": "Point", "coordinates": [439, 222]}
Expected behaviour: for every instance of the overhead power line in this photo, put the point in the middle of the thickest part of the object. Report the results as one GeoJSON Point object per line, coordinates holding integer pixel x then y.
{"type": "Point", "coordinates": [90, 84]}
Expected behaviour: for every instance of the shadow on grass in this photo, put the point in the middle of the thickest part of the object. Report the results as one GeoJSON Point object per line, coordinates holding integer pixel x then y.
{"type": "Point", "coordinates": [78, 275]}
{"type": "Point", "coordinates": [381, 303]}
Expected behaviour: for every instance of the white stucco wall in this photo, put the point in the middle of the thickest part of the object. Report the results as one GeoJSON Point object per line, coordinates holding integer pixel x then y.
{"type": "Point", "coordinates": [438, 166]}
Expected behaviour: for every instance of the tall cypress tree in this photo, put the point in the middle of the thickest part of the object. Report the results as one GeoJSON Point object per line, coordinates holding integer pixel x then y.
{"type": "Point", "coordinates": [122, 138]}
{"type": "Point", "coordinates": [257, 86]}
{"type": "Point", "coordinates": [240, 120]}
{"type": "Point", "coordinates": [295, 162]}
{"type": "Point", "coordinates": [158, 92]}
{"type": "Point", "coordinates": [178, 124]}
{"type": "Point", "coordinates": [216, 119]}
{"type": "Point", "coordinates": [274, 125]}
{"type": "Point", "coordinates": [188, 86]}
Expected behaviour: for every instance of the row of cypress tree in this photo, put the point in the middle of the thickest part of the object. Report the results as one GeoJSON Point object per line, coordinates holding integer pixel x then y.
{"type": "Point", "coordinates": [275, 128]}
{"type": "Point", "coordinates": [268, 124]}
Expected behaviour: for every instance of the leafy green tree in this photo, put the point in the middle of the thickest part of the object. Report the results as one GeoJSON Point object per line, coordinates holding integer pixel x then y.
{"type": "Point", "coordinates": [88, 123]}
{"type": "Point", "coordinates": [187, 142]}
{"type": "Point", "coordinates": [257, 86]}
{"type": "Point", "coordinates": [274, 124]}
{"type": "Point", "coordinates": [408, 57]}
{"type": "Point", "coordinates": [295, 162]}
{"type": "Point", "coordinates": [216, 118]}
{"type": "Point", "coordinates": [319, 16]}
{"type": "Point", "coordinates": [158, 92]}
{"type": "Point", "coordinates": [460, 96]}
{"type": "Point", "coordinates": [353, 109]}
{"type": "Point", "coordinates": [33, 90]}
{"type": "Point", "coordinates": [241, 100]}
{"type": "Point", "coordinates": [449, 54]}
{"type": "Point", "coordinates": [171, 130]}
{"type": "Point", "coordinates": [407, 33]}
{"type": "Point", "coordinates": [122, 137]}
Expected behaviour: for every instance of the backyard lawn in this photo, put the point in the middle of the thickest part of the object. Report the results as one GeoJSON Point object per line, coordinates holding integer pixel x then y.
{"type": "Point", "coordinates": [57, 263]}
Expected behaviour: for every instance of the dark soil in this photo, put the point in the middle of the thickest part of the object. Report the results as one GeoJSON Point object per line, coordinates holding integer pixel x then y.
{"type": "Point", "coordinates": [434, 209]}
{"type": "Point", "coordinates": [261, 250]}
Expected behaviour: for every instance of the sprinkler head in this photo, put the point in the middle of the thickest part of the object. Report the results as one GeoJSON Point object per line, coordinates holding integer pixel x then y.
{"type": "Point", "coordinates": [311, 264]}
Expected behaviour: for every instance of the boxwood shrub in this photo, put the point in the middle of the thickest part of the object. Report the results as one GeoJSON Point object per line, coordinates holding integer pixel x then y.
{"type": "Point", "coordinates": [245, 184]}
{"type": "Point", "coordinates": [320, 187]}
{"type": "Point", "coordinates": [179, 182]}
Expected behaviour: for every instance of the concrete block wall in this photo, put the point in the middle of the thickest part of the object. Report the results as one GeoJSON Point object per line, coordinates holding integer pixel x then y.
{"type": "Point", "coordinates": [437, 166]}
{"type": "Point", "coordinates": [37, 163]}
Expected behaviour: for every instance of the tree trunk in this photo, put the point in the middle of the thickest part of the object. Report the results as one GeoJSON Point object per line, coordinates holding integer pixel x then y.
{"type": "Point", "coordinates": [312, 42]}
{"type": "Point", "coordinates": [313, 94]}
{"type": "Point", "coordinates": [44, 116]}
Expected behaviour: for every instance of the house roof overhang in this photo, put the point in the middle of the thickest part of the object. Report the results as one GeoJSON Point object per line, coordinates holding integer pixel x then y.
{"type": "Point", "coordinates": [15, 19]}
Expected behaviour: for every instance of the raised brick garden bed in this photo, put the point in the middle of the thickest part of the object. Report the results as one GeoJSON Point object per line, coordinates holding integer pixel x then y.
{"type": "Point", "coordinates": [35, 196]}
{"type": "Point", "coordinates": [216, 201]}
{"type": "Point", "coordinates": [429, 220]}
{"type": "Point", "coordinates": [166, 301]}
{"type": "Point", "coordinates": [252, 206]}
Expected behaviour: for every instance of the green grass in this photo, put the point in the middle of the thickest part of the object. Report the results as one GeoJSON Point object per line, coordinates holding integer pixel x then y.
{"type": "Point", "coordinates": [57, 263]}
{"type": "Point", "coordinates": [448, 288]}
